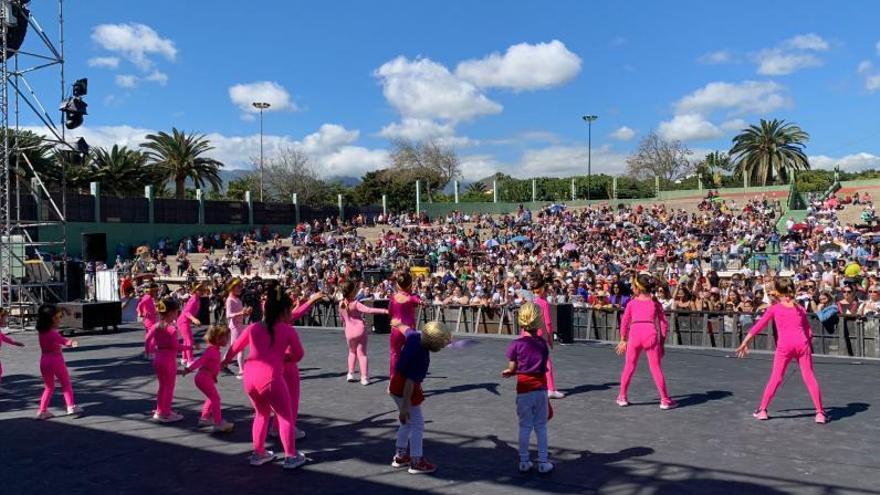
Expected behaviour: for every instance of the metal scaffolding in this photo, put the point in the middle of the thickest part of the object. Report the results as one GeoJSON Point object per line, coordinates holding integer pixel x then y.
{"type": "Point", "coordinates": [31, 269]}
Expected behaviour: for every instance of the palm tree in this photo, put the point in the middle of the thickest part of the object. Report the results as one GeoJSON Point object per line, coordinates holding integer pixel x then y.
{"type": "Point", "coordinates": [771, 150]}
{"type": "Point", "coordinates": [179, 157]}
{"type": "Point", "coordinates": [713, 166]}
{"type": "Point", "coordinates": [122, 171]}
{"type": "Point", "coordinates": [79, 170]}
{"type": "Point", "coordinates": [477, 188]}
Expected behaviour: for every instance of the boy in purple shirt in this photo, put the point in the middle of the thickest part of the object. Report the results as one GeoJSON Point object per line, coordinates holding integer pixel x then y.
{"type": "Point", "coordinates": [527, 359]}
{"type": "Point", "coordinates": [406, 390]}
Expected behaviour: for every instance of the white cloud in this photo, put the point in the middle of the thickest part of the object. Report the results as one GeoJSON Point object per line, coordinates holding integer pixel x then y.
{"type": "Point", "coordinates": [791, 55]}
{"type": "Point", "coordinates": [423, 129]}
{"type": "Point", "coordinates": [623, 133]}
{"type": "Point", "coordinates": [126, 81]}
{"type": "Point", "coordinates": [476, 167]}
{"type": "Point", "coordinates": [523, 67]}
{"type": "Point", "coordinates": [688, 127]}
{"type": "Point", "coordinates": [244, 95]}
{"type": "Point", "coordinates": [158, 77]}
{"type": "Point", "coordinates": [872, 76]}
{"type": "Point", "coordinates": [424, 89]}
{"type": "Point", "coordinates": [734, 125]}
{"type": "Point", "coordinates": [104, 62]}
{"type": "Point", "coordinates": [810, 41]}
{"type": "Point", "coordinates": [738, 98]}
{"type": "Point", "coordinates": [135, 42]}
{"type": "Point", "coordinates": [776, 62]}
{"type": "Point", "coordinates": [331, 148]}
{"type": "Point", "coordinates": [850, 163]}
{"type": "Point", "coordinates": [717, 57]}
{"type": "Point", "coordinates": [563, 161]}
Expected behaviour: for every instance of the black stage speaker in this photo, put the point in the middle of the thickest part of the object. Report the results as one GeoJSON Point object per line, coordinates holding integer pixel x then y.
{"type": "Point", "coordinates": [73, 278]}
{"type": "Point", "coordinates": [381, 323]}
{"type": "Point", "coordinates": [94, 247]}
{"type": "Point", "coordinates": [88, 315]}
{"type": "Point", "coordinates": [562, 319]}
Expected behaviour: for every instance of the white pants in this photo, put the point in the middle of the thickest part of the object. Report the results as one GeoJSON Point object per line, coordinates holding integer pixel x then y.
{"type": "Point", "coordinates": [532, 409]}
{"type": "Point", "coordinates": [411, 433]}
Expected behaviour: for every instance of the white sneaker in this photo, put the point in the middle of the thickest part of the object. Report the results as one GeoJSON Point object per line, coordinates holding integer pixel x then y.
{"type": "Point", "coordinates": [75, 411]}
{"type": "Point", "coordinates": [545, 467]}
{"type": "Point", "coordinates": [259, 460]}
{"type": "Point", "coordinates": [224, 427]}
{"type": "Point", "coordinates": [294, 462]}
{"type": "Point", "coordinates": [42, 415]}
{"type": "Point", "coordinates": [365, 381]}
{"type": "Point", "coordinates": [525, 466]}
{"type": "Point", "coordinates": [205, 422]}
{"type": "Point", "coordinates": [300, 434]}
{"type": "Point", "coordinates": [171, 418]}
{"type": "Point", "coordinates": [350, 378]}
{"type": "Point", "coordinates": [239, 376]}
{"type": "Point", "coordinates": [622, 402]}
{"type": "Point", "coordinates": [555, 394]}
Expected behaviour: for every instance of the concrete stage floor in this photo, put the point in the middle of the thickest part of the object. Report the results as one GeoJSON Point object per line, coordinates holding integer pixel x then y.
{"type": "Point", "coordinates": [710, 445]}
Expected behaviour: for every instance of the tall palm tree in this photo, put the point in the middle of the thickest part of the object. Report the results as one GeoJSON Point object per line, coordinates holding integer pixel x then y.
{"type": "Point", "coordinates": [771, 150]}
{"type": "Point", "coordinates": [78, 169]}
{"type": "Point", "coordinates": [122, 171]}
{"type": "Point", "coordinates": [179, 156]}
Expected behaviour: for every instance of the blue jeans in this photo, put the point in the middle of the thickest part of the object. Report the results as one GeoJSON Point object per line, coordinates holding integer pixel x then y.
{"type": "Point", "coordinates": [532, 410]}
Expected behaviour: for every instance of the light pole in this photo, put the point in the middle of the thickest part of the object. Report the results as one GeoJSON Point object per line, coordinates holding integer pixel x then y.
{"type": "Point", "coordinates": [261, 105]}
{"type": "Point", "coordinates": [589, 120]}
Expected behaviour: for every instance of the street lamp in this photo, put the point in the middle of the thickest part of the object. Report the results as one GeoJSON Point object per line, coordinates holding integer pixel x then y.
{"type": "Point", "coordinates": [261, 105]}
{"type": "Point", "coordinates": [589, 120]}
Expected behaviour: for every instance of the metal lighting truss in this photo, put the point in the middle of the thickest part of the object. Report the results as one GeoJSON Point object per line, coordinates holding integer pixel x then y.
{"type": "Point", "coordinates": [20, 294]}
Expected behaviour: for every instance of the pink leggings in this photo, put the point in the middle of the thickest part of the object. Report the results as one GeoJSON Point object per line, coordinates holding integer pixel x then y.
{"type": "Point", "coordinates": [784, 355]}
{"type": "Point", "coordinates": [51, 367]}
{"type": "Point", "coordinates": [165, 364]}
{"type": "Point", "coordinates": [273, 396]}
{"type": "Point", "coordinates": [148, 324]}
{"type": "Point", "coordinates": [644, 340]}
{"type": "Point", "coordinates": [357, 351]}
{"type": "Point", "coordinates": [551, 383]}
{"type": "Point", "coordinates": [205, 383]}
{"type": "Point", "coordinates": [291, 379]}
{"type": "Point", "coordinates": [186, 349]}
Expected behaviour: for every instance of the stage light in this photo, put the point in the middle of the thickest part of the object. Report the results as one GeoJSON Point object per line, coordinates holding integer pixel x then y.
{"type": "Point", "coordinates": [16, 14]}
{"type": "Point", "coordinates": [81, 87]}
{"type": "Point", "coordinates": [82, 146]}
{"type": "Point", "coordinates": [74, 108]}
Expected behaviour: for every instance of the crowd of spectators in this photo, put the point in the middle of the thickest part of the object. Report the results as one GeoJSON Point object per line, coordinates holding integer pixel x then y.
{"type": "Point", "coordinates": [715, 258]}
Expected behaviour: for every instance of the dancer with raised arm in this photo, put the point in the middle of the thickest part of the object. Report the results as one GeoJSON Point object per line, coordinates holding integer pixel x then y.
{"type": "Point", "coordinates": [352, 312]}
{"type": "Point", "coordinates": [794, 342]}
{"type": "Point", "coordinates": [52, 365]}
{"type": "Point", "coordinates": [163, 339]}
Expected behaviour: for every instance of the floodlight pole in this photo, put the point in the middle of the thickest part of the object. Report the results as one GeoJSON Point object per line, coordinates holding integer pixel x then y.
{"type": "Point", "coordinates": [589, 120]}
{"type": "Point", "coordinates": [261, 105]}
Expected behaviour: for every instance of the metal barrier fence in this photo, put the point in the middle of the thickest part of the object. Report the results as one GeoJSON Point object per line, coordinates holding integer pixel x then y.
{"type": "Point", "coordinates": [849, 336]}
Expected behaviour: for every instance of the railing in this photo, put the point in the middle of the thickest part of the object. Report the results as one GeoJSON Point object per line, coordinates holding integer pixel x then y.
{"type": "Point", "coordinates": [849, 336]}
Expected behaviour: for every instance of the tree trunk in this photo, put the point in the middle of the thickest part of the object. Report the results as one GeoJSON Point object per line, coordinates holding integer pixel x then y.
{"type": "Point", "coordinates": [179, 187]}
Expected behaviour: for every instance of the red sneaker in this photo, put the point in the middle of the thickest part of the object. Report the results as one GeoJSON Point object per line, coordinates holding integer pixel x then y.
{"type": "Point", "coordinates": [401, 461]}
{"type": "Point", "coordinates": [422, 467]}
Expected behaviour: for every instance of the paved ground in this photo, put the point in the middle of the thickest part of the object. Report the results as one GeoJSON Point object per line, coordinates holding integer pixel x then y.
{"type": "Point", "coordinates": [710, 445]}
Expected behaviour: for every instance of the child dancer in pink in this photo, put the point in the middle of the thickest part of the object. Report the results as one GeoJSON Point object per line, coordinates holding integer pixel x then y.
{"type": "Point", "coordinates": [352, 312]}
{"type": "Point", "coordinates": [643, 327]}
{"type": "Point", "coordinates": [264, 376]}
{"type": "Point", "coordinates": [235, 315]}
{"type": "Point", "coordinates": [188, 318]}
{"type": "Point", "coordinates": [208, 366]}
{"type": "Point", "coordinates": [5, 338]}
{"type": "Point", "coordinates": [537, 284]}
{"type": "Point", "coordinates": [52, 364]}
{"type": "Point", "coordinates": [163, 339]}
{"type": "Point", "coordinates": [146, 311]}
{"type": "Point", "coordinates": [402, 307]}
{"type": "Point", "coordinates": [794, 339]}
{"type": "Point", "coordinates": [527, 359]}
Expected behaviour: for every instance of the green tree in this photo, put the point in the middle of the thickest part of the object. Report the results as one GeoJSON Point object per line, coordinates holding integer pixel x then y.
{"type": "Point", "coordinates": [180, 156]}
{"type": "Point", "coordinates": [79, 169]}
{"type": "Point", "coordinates": [400, 196]}
{"type": "Point", "coordinates": [122, 171]}
{"type": "Point", "coordinates": [713, 167]}
{"type": "Point", "coordinates": [236, 188]}
{"type": "Point", "coordinates": [770, 151]}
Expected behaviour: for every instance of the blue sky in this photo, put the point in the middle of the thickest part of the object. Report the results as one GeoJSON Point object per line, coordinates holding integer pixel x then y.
{"type": "Point", "coordinates": [505, 82]}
